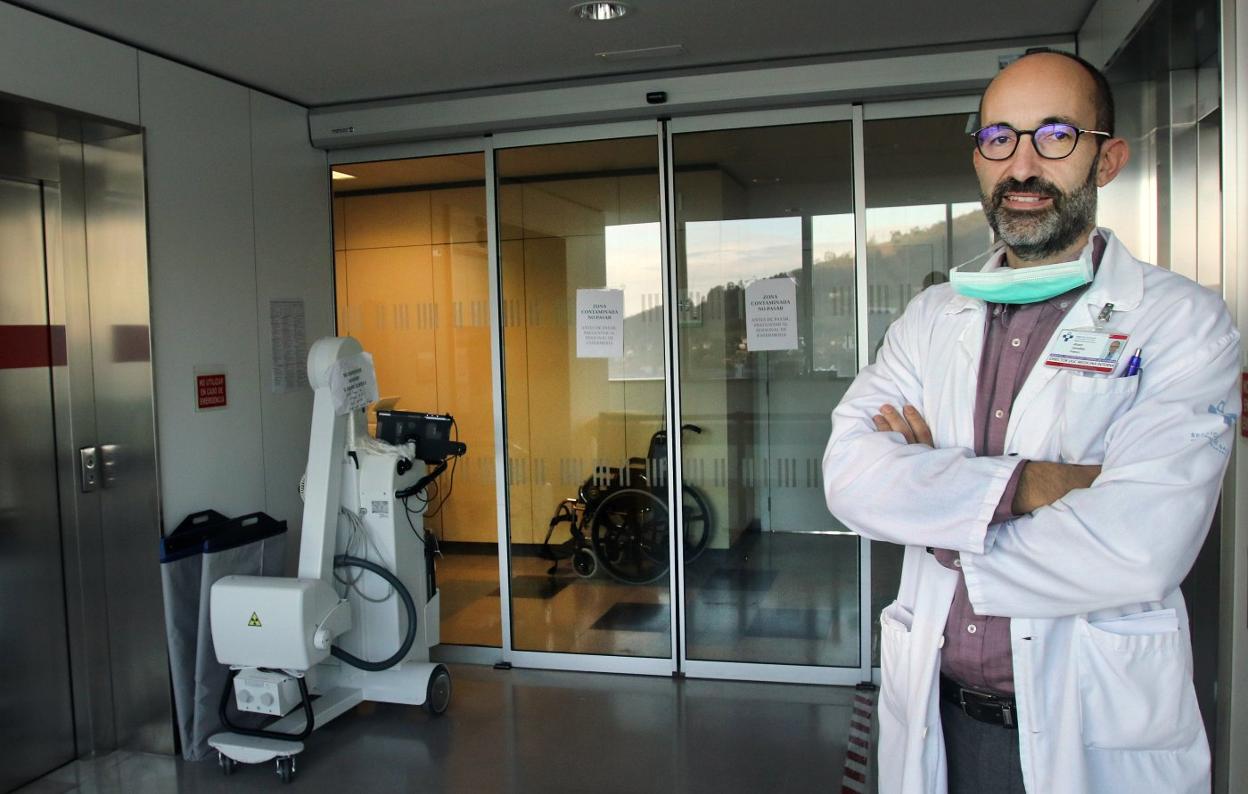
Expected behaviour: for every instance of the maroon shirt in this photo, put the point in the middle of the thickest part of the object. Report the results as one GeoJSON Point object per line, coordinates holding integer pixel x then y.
{"type": "Point", "coordinates": [977, 651]}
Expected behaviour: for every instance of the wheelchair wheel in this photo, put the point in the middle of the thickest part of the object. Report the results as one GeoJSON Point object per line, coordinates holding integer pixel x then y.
{"type": "Point", "coordinates": [629, 535]}
{"type": "Point", "coordinates": [697, 523]}
{"type": "Point", "coordinates": [584, 562]}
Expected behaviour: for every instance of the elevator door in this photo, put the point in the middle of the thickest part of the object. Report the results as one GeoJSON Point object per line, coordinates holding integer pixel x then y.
{"type": "Point", "coordinates": [36, 721]}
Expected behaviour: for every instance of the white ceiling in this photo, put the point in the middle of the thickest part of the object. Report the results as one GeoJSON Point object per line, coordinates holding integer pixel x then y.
{"type": "Point", "coordinates": [323, 52]}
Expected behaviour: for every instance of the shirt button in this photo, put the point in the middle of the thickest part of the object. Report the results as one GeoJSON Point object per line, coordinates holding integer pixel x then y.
{"type": "Point", "coordinates": [957, 562]}
{"type": "Point", "coordinates": [998, 413]}
{"type": "Point", "coordinates": [1064, 304]}
{"type": "Point", "coordinates": [1015, 342]}
{"type": "Point", "coordinates": [971, 628]}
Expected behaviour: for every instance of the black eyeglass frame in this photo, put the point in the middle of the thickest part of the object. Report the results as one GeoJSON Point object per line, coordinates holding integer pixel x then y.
{"type": "Point", "coordinates": [1020, 133]}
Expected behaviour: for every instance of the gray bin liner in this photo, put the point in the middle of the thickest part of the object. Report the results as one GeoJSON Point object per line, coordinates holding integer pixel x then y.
{"type": "Point", "coordinates": [205, 547]}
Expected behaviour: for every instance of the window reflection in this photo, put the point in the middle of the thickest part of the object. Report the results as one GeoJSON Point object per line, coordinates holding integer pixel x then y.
{"type": "Point", "coordinates": [923, 217]}
{"type": "Point", "coordinates": [574, 217]}
{"type": "Point", "coordinates": [778, 582]}
{"type": "Point", "coordinates": [633, 264]}
{"type": "Point", "coordinates": [910, 248]}
{"type": "Point", "coordinates": [834, 329]}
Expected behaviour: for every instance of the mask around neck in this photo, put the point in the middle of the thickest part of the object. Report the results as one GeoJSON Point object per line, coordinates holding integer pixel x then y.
{"type": "Point", "coordinates": [1022, 284]}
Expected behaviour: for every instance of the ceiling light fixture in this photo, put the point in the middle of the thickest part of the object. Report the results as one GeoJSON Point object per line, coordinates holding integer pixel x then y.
{"type": "Point", "coordinates": [599, 12]}
{"type": "Point", "coordinates": [336, 175]}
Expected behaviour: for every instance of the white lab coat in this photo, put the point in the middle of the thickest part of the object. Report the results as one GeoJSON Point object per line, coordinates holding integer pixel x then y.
{"type": "Point", "coordinates": [1103, 705]}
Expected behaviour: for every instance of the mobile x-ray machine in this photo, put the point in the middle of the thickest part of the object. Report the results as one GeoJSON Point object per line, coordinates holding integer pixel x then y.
{"type": "Point", "coordinates": [308, 649]}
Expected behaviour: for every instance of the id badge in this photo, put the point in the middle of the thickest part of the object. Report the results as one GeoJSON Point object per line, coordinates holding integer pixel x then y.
{"type": "Point", "coordinates": [1086, 350]}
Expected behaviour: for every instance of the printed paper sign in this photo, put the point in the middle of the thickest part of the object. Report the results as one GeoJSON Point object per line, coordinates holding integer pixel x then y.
{"type": "Point", "coordinates": [353, 383]}
{"type": "Point", "coordinates": [771, 314]}
{"type": "Point", "coordinates": [290, 346]}
{"type": "Point", "coordinates": [600, 323]}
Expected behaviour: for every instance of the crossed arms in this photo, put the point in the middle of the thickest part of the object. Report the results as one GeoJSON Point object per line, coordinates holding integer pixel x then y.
{"type": "Point", "coordinates": [1041, 483]}
{"type": "Point", "coordinates": [1083, 538]}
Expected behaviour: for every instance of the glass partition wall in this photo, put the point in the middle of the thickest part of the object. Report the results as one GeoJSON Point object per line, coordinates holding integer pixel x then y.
{"type": "Point", "coordinates": [412, 285]}
{"type": "Point", "coordinates": [923, 217]}
{"type": "Point", "coordinates": [585, 384]}
{"type": "Point", "coordinates": [767, 341]}
{"type": "Point", "coordinates": [569, 291]}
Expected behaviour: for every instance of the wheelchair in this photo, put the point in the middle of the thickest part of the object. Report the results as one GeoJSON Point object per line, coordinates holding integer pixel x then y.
{"type": "Point", "coordinates": [618, 520]}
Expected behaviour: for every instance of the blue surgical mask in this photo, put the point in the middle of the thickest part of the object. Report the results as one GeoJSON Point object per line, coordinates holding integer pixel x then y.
{"type": "Point", "coordinates": [1023, 284]}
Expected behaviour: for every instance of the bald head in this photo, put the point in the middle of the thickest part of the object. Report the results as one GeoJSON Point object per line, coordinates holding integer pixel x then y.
{"type": "Point", "coordinates": [1041, 69]}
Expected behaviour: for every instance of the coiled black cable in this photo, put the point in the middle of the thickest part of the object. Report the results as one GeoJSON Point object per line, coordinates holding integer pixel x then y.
{"type": "Point", "coordinates": [343, 561]}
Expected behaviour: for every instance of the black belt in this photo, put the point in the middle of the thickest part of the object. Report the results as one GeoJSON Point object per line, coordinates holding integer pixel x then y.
{"type": "Point", "coordinates": [982, 706]}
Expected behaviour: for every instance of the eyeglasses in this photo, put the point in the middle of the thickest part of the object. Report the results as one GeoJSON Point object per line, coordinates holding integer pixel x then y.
{"type": "Point", "coordinates": [1052, 141]}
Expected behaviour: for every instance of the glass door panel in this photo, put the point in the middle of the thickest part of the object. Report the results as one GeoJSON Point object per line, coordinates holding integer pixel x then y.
{"type": "Point", "coordinates": [412, 283]}
{"type": "Point", "coordinates": [580, 260]}
{"type": "Point", "coordinates": [923, 218]}
{"type": "Point", "coordinates": [766, 332]}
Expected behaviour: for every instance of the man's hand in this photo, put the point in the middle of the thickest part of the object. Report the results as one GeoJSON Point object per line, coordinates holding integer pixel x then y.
{"type": "Point", "coordinates": [909, 422]}
{"type": "Point", "coordinates": [1043, 483]}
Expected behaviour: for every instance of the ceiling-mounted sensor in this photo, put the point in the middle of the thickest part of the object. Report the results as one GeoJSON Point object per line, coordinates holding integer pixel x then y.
{"type": "Point", "coordinates": [599, 12]}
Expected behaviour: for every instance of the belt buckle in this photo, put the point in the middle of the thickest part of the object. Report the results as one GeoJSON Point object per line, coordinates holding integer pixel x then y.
{"type": "Point", "coordinates": [984, 702]}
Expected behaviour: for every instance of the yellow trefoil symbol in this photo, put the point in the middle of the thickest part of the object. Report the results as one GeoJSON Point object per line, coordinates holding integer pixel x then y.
{"type": "Point", "coordinates": [255, 621]}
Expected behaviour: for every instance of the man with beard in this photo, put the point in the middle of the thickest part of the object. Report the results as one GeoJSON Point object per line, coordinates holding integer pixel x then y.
{"type": "Point", "coordinates": [1051, 490]}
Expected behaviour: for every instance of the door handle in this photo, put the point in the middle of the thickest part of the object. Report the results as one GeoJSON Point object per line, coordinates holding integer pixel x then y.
{"type": "Point", "coordinates": [108, 465]}
{"type": "Point", "coordinates": [89, 468]}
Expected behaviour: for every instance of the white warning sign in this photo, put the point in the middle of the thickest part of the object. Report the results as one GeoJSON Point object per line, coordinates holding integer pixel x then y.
{"type": "Point", "coordinates": [600, 323]}
{"type": "Point", "coordinates": [771, 314]}
{"type": "Point", "coordinates": [353, 383]}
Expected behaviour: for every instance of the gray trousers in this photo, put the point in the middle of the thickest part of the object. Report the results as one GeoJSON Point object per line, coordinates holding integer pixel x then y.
{"type": "Point", "coordinates": [981, 757]}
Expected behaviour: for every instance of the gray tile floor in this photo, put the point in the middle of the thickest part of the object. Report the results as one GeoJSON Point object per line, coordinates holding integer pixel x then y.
{"type": "Point", "coordinates": [542, 732]}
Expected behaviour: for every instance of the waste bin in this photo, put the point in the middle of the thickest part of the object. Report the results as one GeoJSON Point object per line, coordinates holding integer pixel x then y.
{"type": "Point", "coordinates": [205, 547]}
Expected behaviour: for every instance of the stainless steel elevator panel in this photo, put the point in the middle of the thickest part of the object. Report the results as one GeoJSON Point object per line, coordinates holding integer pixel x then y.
{"type": "Point", "coordinates": [36, 719]}
{"type": "Point", "coordinates": [125, 437]}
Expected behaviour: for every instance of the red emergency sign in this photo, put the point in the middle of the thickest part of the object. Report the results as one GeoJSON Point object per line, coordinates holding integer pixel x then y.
{"type": "Point", "coordinates": [210, 391]}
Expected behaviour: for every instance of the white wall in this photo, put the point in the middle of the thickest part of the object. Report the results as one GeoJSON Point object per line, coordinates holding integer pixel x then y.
{"type": "Point", "coordinates": [294, 261]}
{"type": "Point", "coordinates": [238, 214]}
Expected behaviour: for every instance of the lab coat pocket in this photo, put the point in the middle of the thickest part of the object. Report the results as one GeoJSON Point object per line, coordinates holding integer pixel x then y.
{"type": "Point", "coordinates": [1135, 684]}
{"type": "Point", "coordinates": [896, 621]}
{"type": "Point", "coordinates": [1092, 404]}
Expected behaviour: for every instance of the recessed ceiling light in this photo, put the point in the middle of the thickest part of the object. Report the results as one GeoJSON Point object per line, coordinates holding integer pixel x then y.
{"type": "Point", "coordinates": [599, 12]}
{"type": "Point", "coordinates": [341, 175]}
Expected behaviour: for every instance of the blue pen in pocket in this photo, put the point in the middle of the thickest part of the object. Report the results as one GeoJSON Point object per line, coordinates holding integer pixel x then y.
{"type": "Point", "coordinates": [1133, 365]}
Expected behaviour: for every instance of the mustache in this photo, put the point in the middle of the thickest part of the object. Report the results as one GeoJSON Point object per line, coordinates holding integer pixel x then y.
{"type": "Point", "coordinates": [1035, 185]}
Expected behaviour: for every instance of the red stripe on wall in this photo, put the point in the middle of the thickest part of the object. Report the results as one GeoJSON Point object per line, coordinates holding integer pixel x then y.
{"type": "Point", "coordinates": [26, 346]}
{"type": "Point", "coordinates": [130, 343]}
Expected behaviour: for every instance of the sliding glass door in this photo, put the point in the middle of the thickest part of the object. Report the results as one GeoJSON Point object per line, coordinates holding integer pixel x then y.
{"type": "Point", "coordinates": [767, 341]}
{"type": "Point", "coordinates": [581, 263]}
{"type": "Point", "coordinates": [642, 329]}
